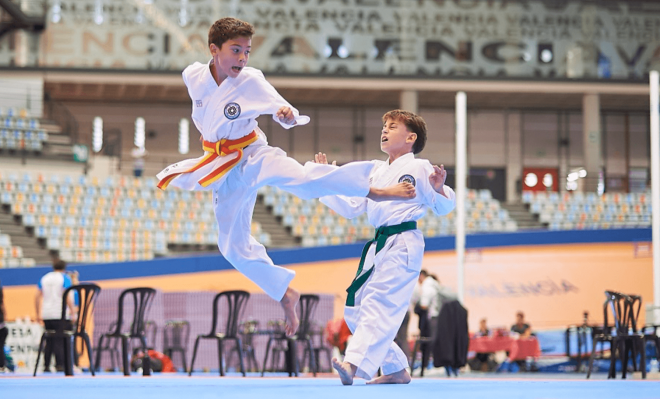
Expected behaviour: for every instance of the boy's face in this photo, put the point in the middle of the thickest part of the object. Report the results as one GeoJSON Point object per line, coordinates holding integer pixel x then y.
{"type": "Point", "coordinates": [232, 57]}
{"type": "Point", "coordinates": [396, 139]}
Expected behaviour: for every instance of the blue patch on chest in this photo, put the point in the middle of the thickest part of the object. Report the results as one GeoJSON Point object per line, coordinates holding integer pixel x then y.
{"type": "Point", "coordinates": [407, 179]}
{"type": "Point", "coordinates": [232, 110]}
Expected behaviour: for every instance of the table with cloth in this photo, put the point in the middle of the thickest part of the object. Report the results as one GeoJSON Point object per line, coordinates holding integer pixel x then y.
{"type": "Point", "coordinates": [518, 348]}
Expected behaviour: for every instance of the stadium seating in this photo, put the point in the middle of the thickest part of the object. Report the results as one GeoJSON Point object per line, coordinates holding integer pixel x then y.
{"type": "Point", "coordinates": [20, 132]}
{"type": "Point", "coordinates": [117, 219]}
{"type": "Point", "coordinates": [317, 225]}
{"type": "Point", "coordinates": [12, 255]}
{"type": "Point", "coordinates": [578, 211]}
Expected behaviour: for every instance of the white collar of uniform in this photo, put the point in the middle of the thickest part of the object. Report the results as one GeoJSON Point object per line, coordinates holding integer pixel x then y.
{"type": "Point", "coordinates": [208, 76]}
{"type": "Point", "coordinates": [403, 158]}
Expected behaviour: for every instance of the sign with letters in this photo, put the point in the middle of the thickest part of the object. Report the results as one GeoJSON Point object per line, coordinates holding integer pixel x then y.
{"type": "Point", "coordinates": [437, 38]}
{"type": "Point", "coordinates": [23, 341]}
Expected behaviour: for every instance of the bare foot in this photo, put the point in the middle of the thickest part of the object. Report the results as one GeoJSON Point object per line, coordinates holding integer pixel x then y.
{"type": "Point", "coordinates": [289, 302]}
{"type": "Point", "coordinates": [346, 371]}
{"type": "Point", "coordinates": [400, 377]}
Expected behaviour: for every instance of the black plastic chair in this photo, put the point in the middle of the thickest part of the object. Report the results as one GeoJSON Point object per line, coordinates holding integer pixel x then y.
{"type": "Point", "coordinates": [142, 298]}
{"type": "Point", "coordinates": [175, 339]}
{"type": "Point", "coordinates": [151, 332]}
{"type": "Point", "coordinates": [236, 302]}
{"type": "Point", "coordinates": [110, 346]}
{"type": "Point", "coordinates": [87, 294]}
{"type": "Point", "coordinates": [318, 342]}
{"type": "Point", "coordinates": [581, 333]}
{"type": "Point", "coordinates": [619, 335]}
{"type": "Point", "coordinates": [279, 349]}
{"type": "Point", "coordinates": [307, 306]}
{"type": "Point", "coordinates": [247, 331]}
{"type": "Point", "coordinates": [634, 306]}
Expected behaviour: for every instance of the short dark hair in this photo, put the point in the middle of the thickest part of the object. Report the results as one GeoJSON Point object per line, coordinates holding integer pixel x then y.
{"type": "Point", "coordinates": [414, 123]}
{"type": "Point", "coordinates": [228, 28]}
{"type": "Point", "coordinates": [59, 265]}
{"type": "Point", "coordinates": [423, 272]}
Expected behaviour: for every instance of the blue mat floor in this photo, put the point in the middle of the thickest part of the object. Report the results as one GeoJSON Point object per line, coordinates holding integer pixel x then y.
{"type": "Point", "coordinates": [178, 386]}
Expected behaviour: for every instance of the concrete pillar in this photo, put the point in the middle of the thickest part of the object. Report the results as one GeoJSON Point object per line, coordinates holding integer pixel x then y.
{"type": "Point", "coordinates": [592, 141]}
{"type": "Point", "coordinates": [513, 156]}
{"type": "Point", "coordinates": [408, 101]}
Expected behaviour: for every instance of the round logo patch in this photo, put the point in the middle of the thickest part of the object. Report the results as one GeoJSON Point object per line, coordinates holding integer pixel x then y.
{"type": "Point", "coordinates": [407, 179]}
{"type": "Point", "coordinates": [232, 110]}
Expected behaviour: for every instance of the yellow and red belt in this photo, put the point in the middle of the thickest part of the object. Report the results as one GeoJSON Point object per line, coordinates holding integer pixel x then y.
{"type": "Point", "coordinates": [213, 150]}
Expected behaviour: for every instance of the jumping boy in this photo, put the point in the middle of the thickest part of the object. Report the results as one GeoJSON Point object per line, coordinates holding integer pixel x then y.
{"type": "Point", "coordinates": [380, 294]}
{"type": "Point", "coordinates": [227, 97]}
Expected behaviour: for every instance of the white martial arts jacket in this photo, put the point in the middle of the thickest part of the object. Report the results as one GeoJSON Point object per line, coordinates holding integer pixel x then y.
{"type": "Point", "coordinates": [388, 213]}
{"type": "Point", "coordinates": [226, 111]}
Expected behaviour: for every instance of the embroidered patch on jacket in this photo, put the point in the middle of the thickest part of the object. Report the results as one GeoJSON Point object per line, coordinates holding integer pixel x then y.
{"type": "Point", "coordinates": [232, 110]}
{"type": "Point", "coordinates": [407, 179]}
{"type": "Point", "coordinates": [198, 103]}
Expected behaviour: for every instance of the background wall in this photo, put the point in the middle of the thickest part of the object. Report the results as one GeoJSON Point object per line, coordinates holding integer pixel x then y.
{"type": "Point", "coordinates": [552, 284]}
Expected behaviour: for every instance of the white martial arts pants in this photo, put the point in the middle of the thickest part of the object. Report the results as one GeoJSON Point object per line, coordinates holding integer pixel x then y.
{"type": "Point", "coordinates": [381, 304]}
{"type": "Point", "coordinates": [234, 203]}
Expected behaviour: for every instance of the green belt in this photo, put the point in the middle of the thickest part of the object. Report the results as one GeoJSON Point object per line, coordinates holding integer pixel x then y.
{"type": "Point", "coordinates": [382, 233]}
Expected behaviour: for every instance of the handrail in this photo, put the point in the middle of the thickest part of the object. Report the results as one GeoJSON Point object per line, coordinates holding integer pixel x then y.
{"type": "Point", "coordinates": [58, 112]}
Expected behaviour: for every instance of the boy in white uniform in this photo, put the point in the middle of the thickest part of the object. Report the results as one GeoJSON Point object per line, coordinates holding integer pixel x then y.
{"type": "Point", "coordinates": [227, 97]}
{"type": "Point", "coordinates": [380, 295]}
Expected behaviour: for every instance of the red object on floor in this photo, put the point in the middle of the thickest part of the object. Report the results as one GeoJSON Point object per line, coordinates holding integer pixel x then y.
{"type": "Point", "coordinates": [337, 333]}
{"type": "Point", "coordinates": [168, 366]}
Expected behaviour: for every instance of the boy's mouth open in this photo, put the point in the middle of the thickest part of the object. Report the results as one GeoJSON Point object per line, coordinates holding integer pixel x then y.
{"type": "Point", "coordinates": [237, 69]}
{"type": "Point", "coordinates": [383, 139]}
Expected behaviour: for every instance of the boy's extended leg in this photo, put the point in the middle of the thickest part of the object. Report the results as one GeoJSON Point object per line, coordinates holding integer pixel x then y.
{"type": "Point", "coordinates": [233, 205]}
{"type": "Point", "coordinates": [268, 166]}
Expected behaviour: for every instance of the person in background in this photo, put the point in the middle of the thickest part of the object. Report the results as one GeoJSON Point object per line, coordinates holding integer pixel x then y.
{"type": "Point", "coordinates": [401, 338]}
{"type": "Point", "coordinates": [3, 331]}
{"type": "Point", "coordinates": [138, 154]}
{"type": "Point", "coordinates": [74, 276]}
{"type": "Point", "coordinates": [483, 328]}
{"type": "Point", "coordinates": [48, 304]}
{"type": "Point", "coordinates": [521, 327]}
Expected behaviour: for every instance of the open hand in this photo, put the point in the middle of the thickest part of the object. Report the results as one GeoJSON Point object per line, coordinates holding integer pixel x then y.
{"type": "Point", "coordinates": [323, 159]}
{"type": "Point", "coordinates": [285, 115]}
{"type": "Point", "coordinates": [438, 177]}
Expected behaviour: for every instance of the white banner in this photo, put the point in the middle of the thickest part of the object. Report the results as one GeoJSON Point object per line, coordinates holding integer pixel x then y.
{"type": "Point", "coordinates": [23, 341]}
{"type": "Point", "coordinates": [358, 37]}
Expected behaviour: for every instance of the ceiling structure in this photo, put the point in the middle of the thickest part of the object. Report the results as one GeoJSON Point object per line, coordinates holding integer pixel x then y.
{"type": "Point", "coordinates": [126, 87]}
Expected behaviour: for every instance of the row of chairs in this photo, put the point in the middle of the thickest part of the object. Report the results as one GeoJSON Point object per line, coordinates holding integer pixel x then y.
{"type": "Point", "coordinates": [612, 208]}
{"type": "Point", "coordinates": [16, 262]}
{"type": "Point", "coordinates": [141, 299]}
{"type": "Point", "coordinates": [57, 225]}
{"type": "Point", "coordinates": [110, 212]}
{"type": "Point", "coordinates": [14, 112]}
{"type": "Point", "coordinates": [82, 180]}
{"type": "Point", "coordinates": [100, 256]}
{"type": "Point", "coordinates": [531, 197]}
{"type": "Point", "coordinates": [593, 225]}
{"type": "Point", "coordinates": [29, 144]}
{"type": "Point", "coordinates": [595, 217]}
